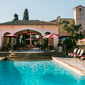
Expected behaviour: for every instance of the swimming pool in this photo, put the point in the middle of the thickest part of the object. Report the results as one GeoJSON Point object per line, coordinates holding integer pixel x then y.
{"type": "Point", "coordinates": [37, 73]}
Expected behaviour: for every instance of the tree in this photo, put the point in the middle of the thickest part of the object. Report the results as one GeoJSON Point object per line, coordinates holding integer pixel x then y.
{"type": "Point", "coordinates": [25, 16]}
{"type": "Point", "coordinates": [68, 43]}
{"type": "Point", "coordinates": [15, 17]}
{"type": "Point", "coordinates": [71, 27]}
{"type": "Point", "coordinates": [79, 36]}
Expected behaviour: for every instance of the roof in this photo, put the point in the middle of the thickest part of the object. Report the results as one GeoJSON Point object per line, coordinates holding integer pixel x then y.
{"type": "Point", "coordinates": [61, 19]}
{"type": "Point", "coordinates": [29, 22]}
{"type": "Point", "coordinates": [78, 6]}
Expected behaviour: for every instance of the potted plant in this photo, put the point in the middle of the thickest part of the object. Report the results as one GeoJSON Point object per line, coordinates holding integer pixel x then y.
{"type": "Point", "coordinates": [68, 43]}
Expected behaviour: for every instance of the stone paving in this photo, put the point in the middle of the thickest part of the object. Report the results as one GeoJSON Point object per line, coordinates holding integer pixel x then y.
{"type": "Point", "coordinates": [74, 62]}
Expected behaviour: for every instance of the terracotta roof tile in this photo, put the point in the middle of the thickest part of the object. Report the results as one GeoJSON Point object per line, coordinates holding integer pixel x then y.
{"type": "Point", "coordinates": [29, 22]}
{"type": "Point", "coordinates": [66, 19]}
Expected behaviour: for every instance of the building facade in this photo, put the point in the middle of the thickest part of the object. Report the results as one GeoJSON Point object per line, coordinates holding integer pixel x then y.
{"type": "Point", "coordinates": [79, 16]}
{"type": "Point", "coordinates": [41, 27]}
{"type": "Point", "coordinates": [17, 27]}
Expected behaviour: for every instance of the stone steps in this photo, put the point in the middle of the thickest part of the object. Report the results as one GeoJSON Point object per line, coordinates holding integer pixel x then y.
{"type": "Point", "coordinates": [32, 56]}
{"type": "Point", "coordinates": [4, 54]}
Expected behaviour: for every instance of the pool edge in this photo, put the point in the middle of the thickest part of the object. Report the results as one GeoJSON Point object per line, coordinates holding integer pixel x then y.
{"type": "Point", "coordinates": [73, 68]}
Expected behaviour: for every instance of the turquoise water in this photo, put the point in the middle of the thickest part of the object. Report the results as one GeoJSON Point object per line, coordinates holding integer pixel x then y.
{"type": "Point", "coordinates": [37, 73]}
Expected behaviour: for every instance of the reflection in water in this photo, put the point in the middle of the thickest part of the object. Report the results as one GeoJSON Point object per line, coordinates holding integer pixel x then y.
{"type": "Point", "coordinates": [9, 75]}
{"type": "Point", "coordinates": [37, 73]}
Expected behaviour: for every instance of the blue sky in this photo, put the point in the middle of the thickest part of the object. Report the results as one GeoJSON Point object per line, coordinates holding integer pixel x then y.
{"type": "Point", "coordinates": [45, 10]}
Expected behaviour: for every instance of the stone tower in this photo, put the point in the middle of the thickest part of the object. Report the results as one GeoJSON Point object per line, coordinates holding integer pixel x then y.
{"type": "Point", "coordinates": [79, 16]}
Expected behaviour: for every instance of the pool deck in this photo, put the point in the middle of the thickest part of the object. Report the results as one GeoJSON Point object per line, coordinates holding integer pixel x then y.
{"type": "Point", "coordinates": [74, 64]}
{"type": "Point", "coordinates": [2, 58]}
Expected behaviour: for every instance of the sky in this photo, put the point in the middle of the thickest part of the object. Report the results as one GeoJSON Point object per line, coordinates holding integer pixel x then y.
{"type": "Point", "coordinates": [45, 10]}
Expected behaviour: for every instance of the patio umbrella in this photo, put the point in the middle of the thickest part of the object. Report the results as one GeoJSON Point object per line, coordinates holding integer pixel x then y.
{"type": "Point", "coordinates": [24, 33]}
{"type": "Point", "coordinates": [30, 33]}
{"type": "Point", "coordinates": [29, 39]}
{"type": "Point", "coordinates": [82, 39]}
{"type": "Point", "coordinates": [53, 35]}
{"type": "Point", "coordinates": [12, 36]}
{"type": "Point", "coordinates": [37, 39]}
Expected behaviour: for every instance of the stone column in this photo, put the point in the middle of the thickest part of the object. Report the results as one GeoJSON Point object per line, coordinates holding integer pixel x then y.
{"type": "Point", "coordinates": [20, 39]}
{"type": "Point", "coordinates": [55, 42]}
{"type": "Point", "coordinates": [2, 41]}
{"type": "Point", "coordinates": [42, 41]}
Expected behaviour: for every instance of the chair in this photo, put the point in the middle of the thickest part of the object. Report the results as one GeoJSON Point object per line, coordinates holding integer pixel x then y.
{"type": "Point", "coordinates": [71, 54]}
{"type": "Point", "coordinates": [83, 57]}
{"type": "Point", "coordinates": [80, 54]}
{"type": "Point", "coordinates": [75, 54]}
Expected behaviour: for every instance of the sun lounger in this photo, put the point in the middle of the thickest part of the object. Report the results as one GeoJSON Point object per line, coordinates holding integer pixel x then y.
{"type": "Point", "coordinates": [80, 54]}
{"type": "Point", "coordinates": [71, 54]}
{"type": "Point", "coordinates": [83, 57]}
{"type": "Point", "coordinates": [75, 54]}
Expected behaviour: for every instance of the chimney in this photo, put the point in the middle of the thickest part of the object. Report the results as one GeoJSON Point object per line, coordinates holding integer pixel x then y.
{"type": "Point", "coordinates": [58, 18]}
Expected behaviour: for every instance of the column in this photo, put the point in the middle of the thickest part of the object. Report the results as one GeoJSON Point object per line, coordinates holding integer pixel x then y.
{"type": "Point", "coordinates": [20, 39]}
{"type": "Point", "coordinates": [55, 42]}
{"type": "Point", "coordinates": [42, 41]}
{"type": "Point", "coordinates": [2, 40]}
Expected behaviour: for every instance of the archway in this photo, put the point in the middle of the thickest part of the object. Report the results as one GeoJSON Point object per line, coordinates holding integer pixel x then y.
{"type": "Point", "coordinates": [5, 39]}
{"type": "Point", "coordinates": [47, 41]}
{"type": "Point", "coordinates": [37, 39]}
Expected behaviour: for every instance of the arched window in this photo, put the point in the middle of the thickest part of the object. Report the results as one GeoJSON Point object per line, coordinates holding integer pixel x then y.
{"type": "Point", "coordinates": [79, 9]}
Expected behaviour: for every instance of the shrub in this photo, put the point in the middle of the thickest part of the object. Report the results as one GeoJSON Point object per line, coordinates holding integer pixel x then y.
{"type": "Point", "coordinates": [68, 43]}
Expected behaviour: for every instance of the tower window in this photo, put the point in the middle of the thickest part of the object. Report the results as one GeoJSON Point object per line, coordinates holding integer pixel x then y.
{"type": "Point", "coordinates": [80, 9]}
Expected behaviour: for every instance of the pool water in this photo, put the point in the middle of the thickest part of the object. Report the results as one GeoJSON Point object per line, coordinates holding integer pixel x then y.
{"type": "Point", "coordinates": [37, 73]}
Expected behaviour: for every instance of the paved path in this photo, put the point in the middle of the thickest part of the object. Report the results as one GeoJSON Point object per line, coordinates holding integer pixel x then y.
{"type": "Point", "coordinates": [74, 62]}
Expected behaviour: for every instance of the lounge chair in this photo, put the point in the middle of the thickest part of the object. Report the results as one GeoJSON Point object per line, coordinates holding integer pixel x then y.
{"type": "Point", "coordinates": [80, 54]}
{"type": "Point", "coordinates": [78, 51]}
{"type": "Point", "coordinates": [71, 54]}
{"type": "Point", "coordinates": [83, 57]}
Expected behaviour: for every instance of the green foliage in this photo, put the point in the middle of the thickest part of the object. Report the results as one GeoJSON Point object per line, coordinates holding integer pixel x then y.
{"type": "Point", "coordinates": [25, 16]}
{"type": "Point", "coordinates": [70, 27]}
{"type": "Point", "coordinates": [73, 29]}
{"type": "Point", "coordinates": [79, 36]}
{"type": "Point", "coordinates": [33, 36]}
{"type": "Point", "coordinates": [66, 22]}
{"type": "Point", "coordinates": [65, 27]}
{"type": "Point", "coordinates": [15, 17]}
{"type": "Point", "coordinates": [68, 43]}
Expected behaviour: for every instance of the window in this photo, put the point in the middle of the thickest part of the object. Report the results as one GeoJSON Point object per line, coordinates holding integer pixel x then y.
{"type": "Point", "coordinates": [80, 9]}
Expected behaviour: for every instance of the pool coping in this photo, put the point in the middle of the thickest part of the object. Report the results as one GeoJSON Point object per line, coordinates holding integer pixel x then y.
{"type": "Point", "coordinates": [71, 67]}
{"type": "Point", "coordinates": [2, 58]}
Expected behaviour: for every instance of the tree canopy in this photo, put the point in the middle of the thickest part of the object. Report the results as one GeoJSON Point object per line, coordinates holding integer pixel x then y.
{"type": "Point", "coordinates": [70, 27]}
{"type": "Point", "coordinates": [25, 16]}
{"type": "Point", "coordinates": [15, 17]}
